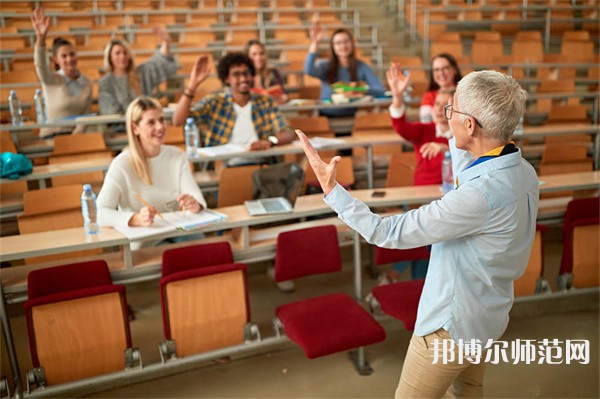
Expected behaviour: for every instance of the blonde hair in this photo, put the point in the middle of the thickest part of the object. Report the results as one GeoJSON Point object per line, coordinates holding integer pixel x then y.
{"type": "Point", "coordinates": [134, 115]}
{"type": "Point", "coordinates": [132, 76]}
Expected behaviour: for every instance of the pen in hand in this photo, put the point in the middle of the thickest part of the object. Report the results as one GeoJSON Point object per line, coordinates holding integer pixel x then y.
{"type": "Point", "coordinates": [143, 201]}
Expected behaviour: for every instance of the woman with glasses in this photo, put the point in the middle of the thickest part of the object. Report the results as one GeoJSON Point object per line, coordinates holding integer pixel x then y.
{"type": "Point", "coordinates": [444, 73]}
{"type": "Point", "coordinates": [124, 81]}
{"type": "Point", "coordinates": [66, 90]}
{"type": "Point", "coordinates": [147, 176]}
{"type": "Point", "coordinates": [342, 66]}
{"type": "Point", "coordinates": [430, 139]}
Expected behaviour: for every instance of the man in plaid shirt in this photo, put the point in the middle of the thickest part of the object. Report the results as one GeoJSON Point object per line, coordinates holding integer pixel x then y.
{"type": "Point", "coordinates": [237, 117]}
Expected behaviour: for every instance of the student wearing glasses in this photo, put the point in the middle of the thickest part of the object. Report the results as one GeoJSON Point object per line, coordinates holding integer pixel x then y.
{"type": "Point", "coordinates": [342, 66]}
{"type": "Point", "coordinates": [238, 116]}
{"type": "Point", "coordinates": [444, 73]}
{"type": "Point", "coordinates": [481, 235]}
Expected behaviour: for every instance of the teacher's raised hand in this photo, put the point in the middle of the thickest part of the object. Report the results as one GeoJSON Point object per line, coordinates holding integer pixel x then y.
{"type": "Point", "coordinates": [325, 172]}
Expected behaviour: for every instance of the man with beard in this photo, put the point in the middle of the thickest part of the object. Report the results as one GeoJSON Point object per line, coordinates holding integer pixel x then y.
{"type": "Point", "coordinates": [238, 116]}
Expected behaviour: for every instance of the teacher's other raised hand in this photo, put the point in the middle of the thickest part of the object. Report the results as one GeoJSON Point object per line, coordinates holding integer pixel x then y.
{"type": "Point", "coordinates": [325, 172]}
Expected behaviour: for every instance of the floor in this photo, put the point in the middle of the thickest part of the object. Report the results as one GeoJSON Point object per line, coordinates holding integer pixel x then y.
{"type": "Point", "coordinates": [283, 371]}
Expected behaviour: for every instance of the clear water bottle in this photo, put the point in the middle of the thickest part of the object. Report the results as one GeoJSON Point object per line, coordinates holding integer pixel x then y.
{"type": "Point", "coordinates": [40, 107]}
{"type": "Point", "coordinates": [192, 137]}
{"type": "Point", "coordinates": [447, 179]}
{"type": "Point", "coordinates": [16, 112]}
{"type": "Point", "coordinates": [89, 210]}
{"type": "Point", "coordinates": [519, 129]}
{"type": "Point", "coordinates": [407, 94]}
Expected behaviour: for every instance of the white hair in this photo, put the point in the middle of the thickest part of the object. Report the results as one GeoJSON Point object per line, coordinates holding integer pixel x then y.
{"type": "Point", "coordinates": [495, 100]}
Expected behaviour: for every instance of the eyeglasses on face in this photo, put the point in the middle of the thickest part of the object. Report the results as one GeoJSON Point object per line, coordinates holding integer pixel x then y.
{"type": "Point", "coordinates": [241, 74]}
{"type": "Point", "coordinates": [446, 69]}
{"type": "Point", "coordinates": [448, 110]}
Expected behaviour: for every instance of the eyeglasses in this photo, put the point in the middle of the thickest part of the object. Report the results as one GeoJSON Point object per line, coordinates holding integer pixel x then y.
{"type": "Point", "coordinates": [340, 42]}
{"type": "Point", "coordinates": [239, 75]}
{"type": "Point", "coordinates": [448, 110]}
{"type": "Point", "coordinates": [446, 68]}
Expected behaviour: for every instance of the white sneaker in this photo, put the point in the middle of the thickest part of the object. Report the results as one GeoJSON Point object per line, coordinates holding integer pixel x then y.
{"type": "Point", "coordinates": [284, 286]}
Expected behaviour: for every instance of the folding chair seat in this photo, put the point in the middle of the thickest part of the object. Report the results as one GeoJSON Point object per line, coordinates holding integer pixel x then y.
{"type": "Point", "coordinates": [204, 297]}
{"type": "Point", "coordinates": [77, 323]}
{"type": "Point", "coordinates": [401, 299]}
{"type": "Point", "coordinates": [580, 212]}
{"type": "Point", "coordinates": [326, 324]}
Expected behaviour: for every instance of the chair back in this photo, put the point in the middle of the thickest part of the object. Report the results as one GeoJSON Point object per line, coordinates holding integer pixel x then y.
{"type": "Point", "coordinates": [235, 185]}
{"type": "Point", "coordinates": [401, 170]}
{"type": "Point", "coordinates": [526, 284]}
{"type": "Point", "coordinates": [204, 297]}
{"type": "Point", "coordinates": [49, 209]}
{"type": "Point", "coordinates": [305, 252]}
{"type": "Point", "coordinates": [76, 321]}
{"type": "Point", "coordinates": [577, 209]}
{"type": "Point", "coordinates": [586, 241]}
{"type": "Point", "coordinates": [386, 255]}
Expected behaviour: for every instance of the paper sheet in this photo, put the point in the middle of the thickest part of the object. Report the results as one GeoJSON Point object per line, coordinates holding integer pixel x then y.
{"type": "Point", "coordinates": [173, 221]}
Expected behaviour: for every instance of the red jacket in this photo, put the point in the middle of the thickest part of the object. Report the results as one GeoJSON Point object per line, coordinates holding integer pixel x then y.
{"type": "Point", "coordinates": [427, 171]}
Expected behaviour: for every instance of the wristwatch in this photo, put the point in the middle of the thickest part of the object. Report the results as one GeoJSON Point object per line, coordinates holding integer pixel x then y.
{"type": "Point", "coordinates": [274, 140]}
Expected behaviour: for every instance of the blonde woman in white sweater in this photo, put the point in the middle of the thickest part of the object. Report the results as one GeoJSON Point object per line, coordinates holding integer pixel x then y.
{"type": "Point", "coordinates": [66, 90]}
{"type": "Point", "coordinates": [157, 173]}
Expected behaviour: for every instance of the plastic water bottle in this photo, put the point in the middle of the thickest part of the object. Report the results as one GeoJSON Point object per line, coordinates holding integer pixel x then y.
{"type": "Point", "coordinates": [407, 94]}
{"type": "Point", "coordinates": [192, 137]}
{"type": "Point", "coordinates": [447, 179]}
{"type": "Point", "coordinates": [40, 107]}
{"type": "Point", "coordinates": [519, 129]}
{"type": "Point", "coordinates": [16, 112]}
{"type": "Point", "coordinates": [89, 211]}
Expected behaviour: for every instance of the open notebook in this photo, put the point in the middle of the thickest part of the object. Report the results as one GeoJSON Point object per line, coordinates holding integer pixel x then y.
{"type": "Point", "coordinates": [179, 220]}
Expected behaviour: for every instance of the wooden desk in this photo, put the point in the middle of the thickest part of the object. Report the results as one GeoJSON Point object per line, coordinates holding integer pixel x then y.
{"type": "Point", "coordinates": [36, 244]}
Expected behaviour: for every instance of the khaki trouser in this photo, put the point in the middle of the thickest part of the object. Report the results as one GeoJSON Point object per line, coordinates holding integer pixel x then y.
{"type": "Point", "coordinates": [421, 378]}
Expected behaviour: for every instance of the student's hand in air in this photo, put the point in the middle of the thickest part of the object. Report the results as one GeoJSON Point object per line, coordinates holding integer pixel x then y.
{"type": "Point", "coordinates": [161, 33]}
{"type": "Point", "coordinates": [316, 32]}
{"type": "Point", "coordinates": [396, 80]}
{"type": "Point", "coordinates": [145, 217]}
{"type": "Point", "coordinates": [200, 72]}
{"type": "Point", "coordinates": [325, 172]}
{"type": "Point", "coordinates": [432, 149]}
{"type": "Point", "coordinates": [40, 23]}
{"type": "Point", "coordinates": [189, 203]}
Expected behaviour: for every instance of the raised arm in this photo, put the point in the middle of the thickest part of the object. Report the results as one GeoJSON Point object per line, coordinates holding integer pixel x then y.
{"type": "Point", "coordinates": [398, 84]}
{"type": "Point", "coordinates": [165, 40]}
{"type": "Point", "coordinates": [325, 172]}
{"type": "Point", "coordinates": [199, 73]}
{"type": "Point", "coordinates": [41, 25]}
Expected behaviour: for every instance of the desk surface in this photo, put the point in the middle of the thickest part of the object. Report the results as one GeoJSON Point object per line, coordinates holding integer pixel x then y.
{"type": "Point", "coordinates": [36, 244]}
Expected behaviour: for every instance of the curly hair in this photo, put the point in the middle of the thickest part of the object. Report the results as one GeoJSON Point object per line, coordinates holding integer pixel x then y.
{"type": "Point", "coordinates": [233, 59]}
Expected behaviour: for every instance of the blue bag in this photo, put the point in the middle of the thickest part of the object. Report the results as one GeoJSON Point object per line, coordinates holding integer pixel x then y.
{"type": "Point", "coordinates": [12, 165]}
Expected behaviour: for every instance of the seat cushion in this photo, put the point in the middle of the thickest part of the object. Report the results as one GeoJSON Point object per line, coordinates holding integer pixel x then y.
{"type": "Point", "coordinates": [329, 324]}
{"type": "Point", "coordinates": [401, 300]}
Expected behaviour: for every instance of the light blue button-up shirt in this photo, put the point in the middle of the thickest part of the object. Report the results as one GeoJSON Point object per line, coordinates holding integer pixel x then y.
{"type": "Point", "coordinates": [482, 234]}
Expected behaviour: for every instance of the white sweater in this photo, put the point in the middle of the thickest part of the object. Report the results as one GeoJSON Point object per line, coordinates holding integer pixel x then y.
{"type": "Point", "coordinates": [171, 176]}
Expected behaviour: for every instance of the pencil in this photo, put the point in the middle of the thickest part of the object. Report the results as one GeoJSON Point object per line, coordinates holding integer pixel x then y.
{"type": "Point", "coordinates": [143, 201]}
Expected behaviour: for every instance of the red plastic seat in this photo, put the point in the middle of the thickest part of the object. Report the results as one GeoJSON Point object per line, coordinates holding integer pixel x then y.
{"type": "Point", "coordinates": [325, 324]}
{"type": "Point", "coordinates": [204, 297]}
{"type": "Point", "coordinates": [76, 321]}
{"type": "Point", "coordinates": [400, 300]}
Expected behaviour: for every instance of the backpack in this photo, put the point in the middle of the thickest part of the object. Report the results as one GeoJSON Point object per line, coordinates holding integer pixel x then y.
{"type": "Point", "coordinates": [12, 165]}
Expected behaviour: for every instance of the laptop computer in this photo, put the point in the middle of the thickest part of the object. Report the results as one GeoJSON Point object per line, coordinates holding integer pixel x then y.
{"type": "Point", "coordinates": [270, 206]}
{"type": "Point", "coordinates": [276, 189]}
